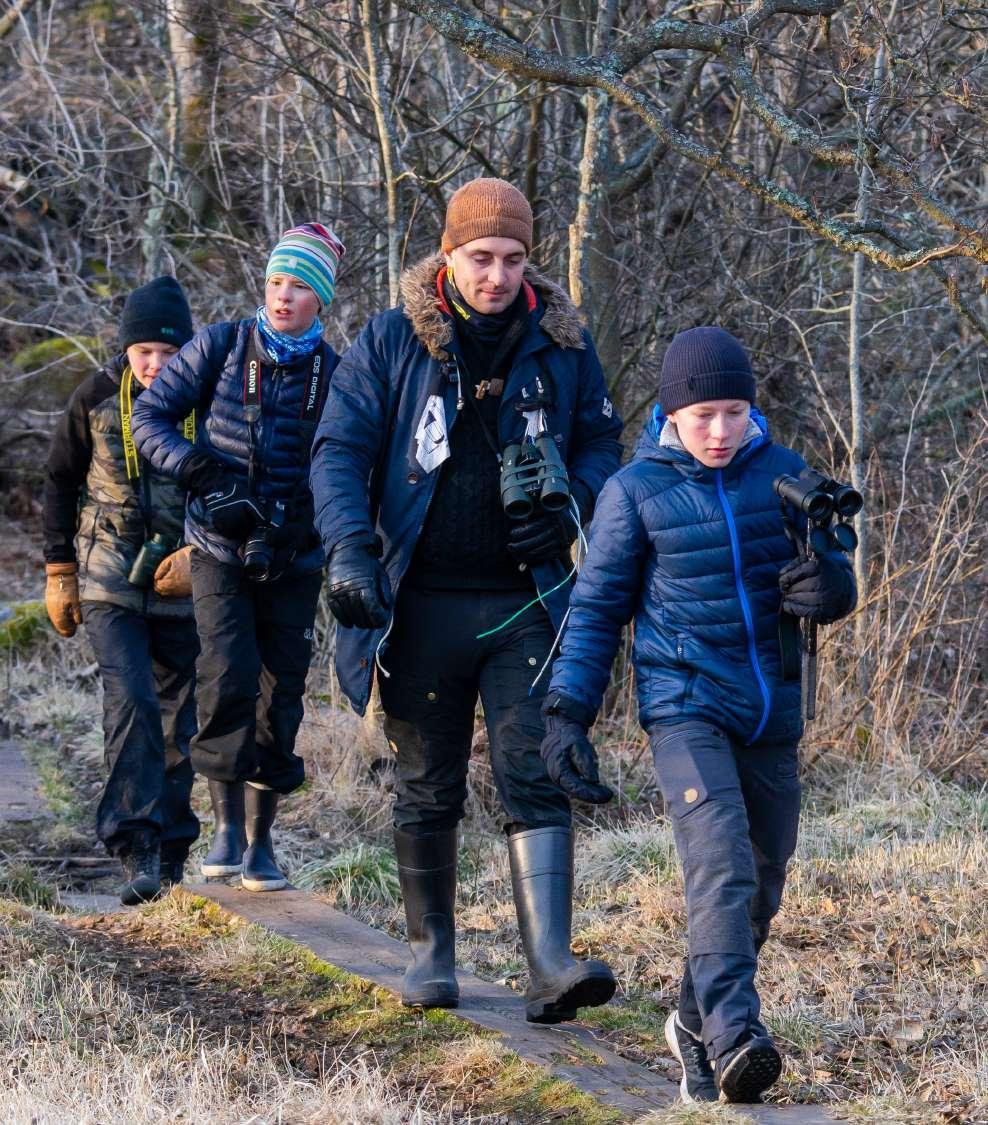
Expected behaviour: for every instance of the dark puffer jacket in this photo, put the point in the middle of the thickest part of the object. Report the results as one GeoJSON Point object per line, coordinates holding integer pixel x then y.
{"type": "Point", "coordinates": [693, 555]}
{"type": "Point", "coordinates": [208, 375]}
{"type": "Point", "coordinates": [365, 473]}
{"type": "Point", "coordinates": [86, 464]}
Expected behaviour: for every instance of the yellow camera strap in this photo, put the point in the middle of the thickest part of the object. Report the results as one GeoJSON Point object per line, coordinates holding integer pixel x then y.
{"type": "Point", "coordinates": [131, 457]}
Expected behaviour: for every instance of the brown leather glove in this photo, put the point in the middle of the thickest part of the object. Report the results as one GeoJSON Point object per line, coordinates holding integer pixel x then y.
{"type": "Point", "coordinates": [173, 578]}
{"type": "Point", "coordinates": [62, 597]}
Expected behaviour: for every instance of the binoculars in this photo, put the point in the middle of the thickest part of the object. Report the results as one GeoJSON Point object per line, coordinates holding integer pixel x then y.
{"type": "Point", "coordinates": [819, 498]}
{"type": "Point", "coordinates": [259, 548]}
{"type": "Point", "coordinates": [533, 473]}
{"type": "Point", "coordinates": [149, 558]}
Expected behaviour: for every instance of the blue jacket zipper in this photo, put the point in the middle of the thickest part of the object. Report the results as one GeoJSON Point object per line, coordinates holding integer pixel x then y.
{"type": "Point", "coordinates": [745, 605]}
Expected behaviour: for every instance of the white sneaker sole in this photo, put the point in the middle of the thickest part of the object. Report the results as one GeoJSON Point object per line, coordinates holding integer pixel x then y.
{"type": "Point", "coordinates": [263, 884]}
{"type": "Point", "coordinates": [672, 1043]}
{"type": "Point", "coordinates": [210, 869]}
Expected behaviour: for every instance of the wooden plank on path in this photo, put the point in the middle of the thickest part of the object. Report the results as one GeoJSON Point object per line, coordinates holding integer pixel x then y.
{"type": "Point", "coordinates": [568, 1052]}
{"type": "Point", "coordinates": [20, 795]}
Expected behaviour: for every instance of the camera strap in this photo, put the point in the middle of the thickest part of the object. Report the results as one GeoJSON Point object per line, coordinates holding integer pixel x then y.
{"type": "Point", "coordinates": [132, 459]}
{"type": "Point", "coordinates": [312, 401]}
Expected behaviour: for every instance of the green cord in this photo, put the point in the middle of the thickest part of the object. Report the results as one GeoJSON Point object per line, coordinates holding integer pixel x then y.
{"type": "Point", "coordinates": [528, 605]}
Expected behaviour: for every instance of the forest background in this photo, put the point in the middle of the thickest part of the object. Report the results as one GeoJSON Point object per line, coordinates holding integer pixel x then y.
{"type": "Point", "coordinates": [811, 174]}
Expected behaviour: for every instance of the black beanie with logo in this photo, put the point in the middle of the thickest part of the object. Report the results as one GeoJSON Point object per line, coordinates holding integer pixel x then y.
{"type": "Point", "coordinates": [156, 313]}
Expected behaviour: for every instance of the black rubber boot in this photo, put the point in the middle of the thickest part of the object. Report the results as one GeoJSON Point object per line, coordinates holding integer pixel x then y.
{"type": "Point", "coordinates": [142, 869]}
{"type": "Point", "coordinates": [226, 853]}
{"type": "Point", "coordinates": [542, 881]}
{"type": "Point", "coordinates": [427, 872]}
{"type": "Point", "coordinates": [172, 869]}
{"type": "Point", "coordinates": [260, 871]}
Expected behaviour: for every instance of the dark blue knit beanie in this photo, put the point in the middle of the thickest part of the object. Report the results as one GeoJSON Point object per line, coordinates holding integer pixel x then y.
{"type": "Point", "coordinates": [702, 364]}
{"type": "Point", "coordinates": [156, 313]}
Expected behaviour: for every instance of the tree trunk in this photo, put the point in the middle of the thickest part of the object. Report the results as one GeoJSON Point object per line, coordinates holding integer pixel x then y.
{"type": "Point", "coordinates": [390, 159]}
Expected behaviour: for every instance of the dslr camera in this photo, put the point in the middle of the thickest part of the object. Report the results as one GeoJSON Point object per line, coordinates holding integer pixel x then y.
{"type": "Point", "coordinates": [260, 546]}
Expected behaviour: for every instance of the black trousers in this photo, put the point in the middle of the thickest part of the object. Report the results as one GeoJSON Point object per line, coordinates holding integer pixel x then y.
{"type": "Point", "coordinates": [256, 640]}
{"type": "Point", "coordinates": [147, 668]}
{"type": "Point", "coordinates": [437, 668]}
{"type": "Point", "coordinates": [735, 817]}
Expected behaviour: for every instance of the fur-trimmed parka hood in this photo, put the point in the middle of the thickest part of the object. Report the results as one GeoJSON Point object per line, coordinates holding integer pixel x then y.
{"type": "Point", "coordinates": [560, 320]}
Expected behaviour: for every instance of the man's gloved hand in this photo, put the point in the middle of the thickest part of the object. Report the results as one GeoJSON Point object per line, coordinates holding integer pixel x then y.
{"type": "Point", "coordinates": [62, 597]}
{"type": "Point", "coordinates": [359, 590]}
{"type": "Point", "coordinates": [232, 510]}
{"type": "Point", "coordinates": [542, 536]}
{"type": "Point", "coordinates": [201, 473]}
{"type": "Point", "coordinates": [818, 588]}
{"type": "Point", "coordinates": [569, 756]}
{"type": "Point", "coordinates": [173, 578]}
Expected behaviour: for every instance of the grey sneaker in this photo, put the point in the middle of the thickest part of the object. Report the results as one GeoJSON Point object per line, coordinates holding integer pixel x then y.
{"type": "Point", "coordinates": [748, 1069]}
{"type": "Point", "coordinates": [697, 1083]}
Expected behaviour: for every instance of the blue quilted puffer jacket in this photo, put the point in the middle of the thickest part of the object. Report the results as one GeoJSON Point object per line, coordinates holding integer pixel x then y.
{"type": "Point", "coordinates": [693, 555]}
{"type": "Point", "coordinates": [207, 376]}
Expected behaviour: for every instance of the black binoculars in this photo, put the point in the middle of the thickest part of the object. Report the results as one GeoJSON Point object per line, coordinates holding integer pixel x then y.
{"type": "Point", "coordinates": [818, 498]}
{"type": "Point", "coordinates": [533, 473]}
{"type": "Point", "coordinates": [259, 548]}
{"type": "Point", "coordinates": [149, 558]}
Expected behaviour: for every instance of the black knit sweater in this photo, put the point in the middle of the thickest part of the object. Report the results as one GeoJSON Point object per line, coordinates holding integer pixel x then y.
{"type": "Point", "coordinates": [463, 544]}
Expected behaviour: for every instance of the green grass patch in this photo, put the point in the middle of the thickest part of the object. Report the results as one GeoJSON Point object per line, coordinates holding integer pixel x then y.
{"type": "Point", "coordinates": [641, 1019]}
{"type": "Point", "coordinates": [21, 624]}
{"type": "Point", "coordinates": [362, 874]}
{"type": "Point", "coordinates": [20, 882]}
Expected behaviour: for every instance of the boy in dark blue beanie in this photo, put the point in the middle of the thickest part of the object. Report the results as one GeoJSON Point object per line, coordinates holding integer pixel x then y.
{"type": "Point", "coordinates": [114, 561]}
{"type": "Point", "coordinates": [688, 541]}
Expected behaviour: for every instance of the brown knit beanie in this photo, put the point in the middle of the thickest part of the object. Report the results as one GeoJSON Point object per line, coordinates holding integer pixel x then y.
{"type": "Point", "coordinates": [487, 208]}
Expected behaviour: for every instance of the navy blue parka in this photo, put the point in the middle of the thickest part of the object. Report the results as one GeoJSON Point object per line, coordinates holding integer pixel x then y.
{"type": "Point", "coordinates": [692, 555]}
{"type": "Point", "coordinates": [366, 478]}
{"type": "Point", "coordinates": [207, 376]}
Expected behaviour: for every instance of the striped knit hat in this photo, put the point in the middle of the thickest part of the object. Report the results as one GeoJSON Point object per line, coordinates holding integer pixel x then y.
{"type": "Point", "coordinates": [310, 252]}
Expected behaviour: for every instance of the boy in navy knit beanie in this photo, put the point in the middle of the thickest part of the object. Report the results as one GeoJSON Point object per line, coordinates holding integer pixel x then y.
{"type": "Point", "coordinates": [688, 540]}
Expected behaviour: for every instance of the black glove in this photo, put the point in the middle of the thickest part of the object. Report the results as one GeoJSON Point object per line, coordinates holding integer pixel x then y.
{"type": "Point", "coordinates": [359, 590]}
{"type": "Point", "coordinates": [201, 473]}
{"type": "Point", "coordinates": [542, 536]}
{"type": "Point", "coordinates": [569, 757]}
{"type": "Point", "coordinates": [232, 510]}
{"type": "Point", "coordinates": [818, 588]}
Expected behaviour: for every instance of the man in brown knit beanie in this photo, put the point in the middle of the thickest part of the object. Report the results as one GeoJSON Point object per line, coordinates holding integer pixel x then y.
{"type": "Point", "coordinates": [446, 595]}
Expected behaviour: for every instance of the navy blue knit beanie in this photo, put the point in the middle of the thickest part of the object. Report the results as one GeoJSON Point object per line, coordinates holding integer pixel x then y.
{"type": "Point", "coordinates": [702, 364]}
{"type": "Point", "coordinates": [156, 313]}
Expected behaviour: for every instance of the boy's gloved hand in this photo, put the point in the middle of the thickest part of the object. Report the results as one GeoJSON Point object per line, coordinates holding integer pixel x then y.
{"type": "Point", "coordinates": [818, 588]}
{"type": "Point", "coordinates": [233, 510]}
{"type": "Point", "coordinates": [62, 597]}
{"type": "Point", "coordinates": [173, 578]}
{"type": "Point", "coordinates": [359, 590]}
{"type": "Point", "coordinates": [569, 756]}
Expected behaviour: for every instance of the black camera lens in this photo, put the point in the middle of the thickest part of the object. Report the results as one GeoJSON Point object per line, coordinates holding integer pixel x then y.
{"type": "Point", "coordinates": [258, 556]}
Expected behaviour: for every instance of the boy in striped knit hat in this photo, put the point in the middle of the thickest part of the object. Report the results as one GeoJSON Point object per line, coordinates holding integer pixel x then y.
{"type": "Point", "coordinates": [257, 386]}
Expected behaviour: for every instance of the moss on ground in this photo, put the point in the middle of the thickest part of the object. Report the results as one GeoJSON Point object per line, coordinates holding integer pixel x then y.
{"type": "Point", "coordinates": [340, 1008]}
